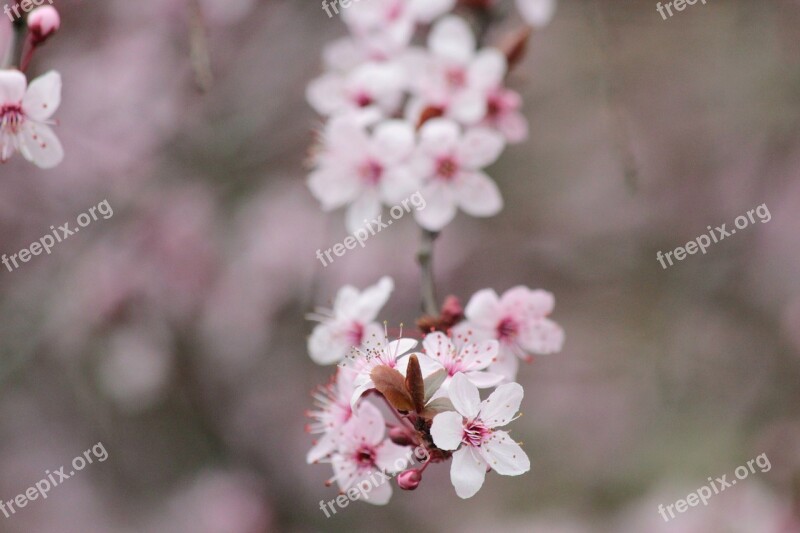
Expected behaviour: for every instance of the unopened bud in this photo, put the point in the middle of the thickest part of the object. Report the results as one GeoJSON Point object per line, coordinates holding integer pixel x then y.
{"type": "Point", "coordinates": [43, 22]}
{"type": "Point", "coordinates": [409, 480]}
{"type": "Point", "coordinates": [400, 436]}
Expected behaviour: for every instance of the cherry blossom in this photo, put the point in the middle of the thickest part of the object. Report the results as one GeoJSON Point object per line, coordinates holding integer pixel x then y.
{"type": "Point", "coordinates": [25, 112]}
{"type": "Point", "coordinates": [471, 359]}
{"type": "Point", "coordinates": [386, 354]}
{"type": "Point", "coordinates": [450, 163]}
{"type": "Point", "coordinates": [472, 428]}
{"type": "Point", "coordinates": [371, 86]}
{"type": "Point", "coordinates": [518, 320]}
{"type": "Point", "coordinates": [363, 453]}
{"type": "Point", "coordinates": [333, 411]}
{"type": "Point", "coordinates": [364, 170]}
{"type": "Point", "coordinates": [350, 323]}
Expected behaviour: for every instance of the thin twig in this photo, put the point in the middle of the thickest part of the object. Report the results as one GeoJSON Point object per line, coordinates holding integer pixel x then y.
{"type": "Point", "coordinates": [425, 259]}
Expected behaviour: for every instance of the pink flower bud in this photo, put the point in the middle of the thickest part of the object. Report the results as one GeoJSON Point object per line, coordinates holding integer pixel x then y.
{"type": "Point", "coordinates": [409, 480]}
{"type": "Point", "coordinates": [400, 436]}
{"type": "Point", "coordinates": [43, 22]}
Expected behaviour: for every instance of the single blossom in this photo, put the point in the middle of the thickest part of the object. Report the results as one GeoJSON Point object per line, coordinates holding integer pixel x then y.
{"type": "Point", "coordinates": [472, 359]}
{"type": "Point", "coordinates": [25, 112]}
{"type": "Point", "coordinates": [332, 413]}
{"type": "Point", "coordinates": [388, 354]}
{"type": "Point", "coordinates": [470, 430]}
{"type": "Point", "coordinates": [363, 170]}
{"type": "Point", "coordinates": [518, 320]}
{"type": "Point", "coordinates": [350, 323]}
{"type": "Point", "coordinates": [452, 76]}
{"type": "Point", "coordinates": [450, 162]}
{"type": "Point", "coordinates": [364, 455]}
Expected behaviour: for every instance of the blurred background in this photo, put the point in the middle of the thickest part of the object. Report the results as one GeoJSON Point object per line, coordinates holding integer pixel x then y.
{"type": "Point", "coordinates": [174, 332]}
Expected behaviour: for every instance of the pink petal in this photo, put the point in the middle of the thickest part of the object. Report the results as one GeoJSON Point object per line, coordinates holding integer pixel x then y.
{"type": "Point", "coordinates": [464, 396]}
{"type": "Point", "coordinates": [12, 86]}
{"type": "Point", "coordinates": [505, 456]}
{"type": "Point", "coordinates": [542, 337]}
{"type": "Point", "coordinates": [502, 405]}
{"type": "Point", "coordinates": [478, 195]}
{"type": "Point", "coordinates": [480, 147]}
{"type": "Point", "coordinates": [440, 208]}
{"type": "Point", "coordinates": [40, 145]}
{"type": "Point", "coordinates": [467, 472]}
{"type": "Point", "coordinates": [447, 430]}
{"type": "Point", "coordinates": [488, 69]}
{"type": "Point", "coordinates": [452, 39]}
{"type": "Point", "coordinates": [43, 96]}
{"type": "Point", "coordinates": [483, 308]}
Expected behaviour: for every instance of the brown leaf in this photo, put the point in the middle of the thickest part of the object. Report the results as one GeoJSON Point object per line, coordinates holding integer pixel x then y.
{"type": "Point", "coordinates": [391, 384]}
{"type": "Point", "coordinates": [428, 113]}
{"type": "Point", "coordinates": [415, 385]}
{"type": "Point", "coordinates": [514, 46]}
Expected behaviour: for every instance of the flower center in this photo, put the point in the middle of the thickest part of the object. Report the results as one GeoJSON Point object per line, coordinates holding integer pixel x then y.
{"type": "Point", "coordinates": [507, 329]}
{"type": "Point", "coordinates": [475, 433]}
{"type": "Point", "coordinates": [356, 334]}
{"type": "Point", "coordinates": [371, 172]}
{"type": "Point", "coordinates": [447, 168]}
{"type": "Point", "coordinates": [365, 456]}
{"type": "Point", "coordinates": [363, 100]}
{"type": "Point", "coordinates": [11, 118]}
{"type": "Point", "coordinates": [456, 78]}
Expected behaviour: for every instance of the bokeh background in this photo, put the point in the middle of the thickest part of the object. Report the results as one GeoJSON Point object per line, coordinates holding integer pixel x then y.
{"type": "Point", "coordinates": [174, 332]}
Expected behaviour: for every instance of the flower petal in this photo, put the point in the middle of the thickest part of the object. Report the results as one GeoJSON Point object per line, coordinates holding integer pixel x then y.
{"type": "Point", "coordinates": [542, 337]}
{"type": "Point", "coordinates": [333, 186]}
{"type": "Point", "coordinates": [40, 145]}
{"type": "Point", "coordinates": [504, 456]}
{"type": "Point", "coordinates": [12, 86]}
{"type": "Point", "coordinates": [440, 208]}
{"type": "Point", "coordinates": [467, 472]}
{"type": "Point", "coordinates": [391, 457]}
{"type": "Point", "coordinates": [488, 69]}
{"type": "Point", "coordinates": [43, 96]}
{"type": "Point", "coordinates": [372, 299]}
{"type": "Point", "coordinates": [483, 308]}
{"type": "Point", "coordinates": [439, 136]}
{"type": "Point", "coordinates": [452, 39]}
{"type": "Point", "coordinates": [478, 195]}
{"type": "Point", "coordinates": [501, 406]}
{"type": "Point", "coordinates": [484, 380]}
{"type": "Point", "coordinates": [325, 346]}
{"type": "Point", "coordinates": [325, 446]}
{"type": "Point", "coordinates": [464, 396]}
{"type": "Point", "coordinates": [507, 365]}
{"type": "Point", "coordinates": [447, 430]}
{"type": "Point", "coordinates": [480, 147]}
{"type": "Point", "coordinates": [366, 207]}
{"type": "Point", "coordinates": [537, 13]}
{"type": "Point", "coordinates": [392, 142]}
{"type": "Point", "coordinates": [366, 425]}
{"type": "Point", "coordinates": [425, 11]}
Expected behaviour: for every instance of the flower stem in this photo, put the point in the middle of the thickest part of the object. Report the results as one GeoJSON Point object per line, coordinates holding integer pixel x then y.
{"type": "Point", "coordinates": [17, 43]}
{"type": "Point", "coordinates": [425, 259]}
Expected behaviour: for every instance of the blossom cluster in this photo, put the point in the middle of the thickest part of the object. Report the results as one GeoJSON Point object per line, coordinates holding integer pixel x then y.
{"type": "Point", "coordinates": [26, 109]}
{"type": "Point", "coordinates": [404, 118]}
{"type": "Point", "coordinates": [432, 387]}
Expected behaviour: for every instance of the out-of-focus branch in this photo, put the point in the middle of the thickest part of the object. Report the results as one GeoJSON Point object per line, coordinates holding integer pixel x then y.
{"type": "Point", "coordinates": [198, 47]}
{"type": "Point", "coordinates": [425, 258]}
{"type": "Point", "coordinates": [17, 42]}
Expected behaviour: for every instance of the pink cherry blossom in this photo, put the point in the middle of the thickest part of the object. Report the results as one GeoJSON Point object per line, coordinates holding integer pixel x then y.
{"type": "Point", "coordinates": [364, 361]}
{"type": "Point", "coordinates": [471, 359]}
{"type": "Point", "coordinates": [452, 76]}
{"type": "Point", "coordinates": [472, 428]}
{"type": "Point", "coordinates": [350, 323]}
{"type": "Point", "coordinates": [518, 320]}
{"type": "Point", "coordinates": [371, 86]}
{"type": "Point", "coordinates": [43, 22]}
{"type": "Point", "coordinates": [333, 411]}
{"type": "Point", "coordinates": [25, 112]}
{"type": "Point", "coordinates": [364, 170]}
{"type": "Point", "coordinates": [363, 454]}
{"type": "Point", "coordinates": [450, 162]}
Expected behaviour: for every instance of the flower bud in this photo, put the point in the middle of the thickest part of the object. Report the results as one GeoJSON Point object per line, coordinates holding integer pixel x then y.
{"type": "Point", "coordinates": [409, 480]}
{"type": "Point", "coordinates": [43, 22]}
{"type": "Point", "coordinates": [400, 436]}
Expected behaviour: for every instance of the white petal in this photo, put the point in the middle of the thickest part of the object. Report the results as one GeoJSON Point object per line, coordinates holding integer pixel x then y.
{"type": "Point", "coordinates": [332, 187]}
{"type": "Point", "coordinates": [483, 308]}
{"type": "Point", "coordinates": [361, 386]}
{"type": "Point", "coordinates": [391, 457]}
{"type": "Point", "coordinates": [479, 355]}
{"type": "Point", "coordinates": [542, 302]}
{"type": "Point", "coordinates": [484, 380]}
{"type": "Point", "coordinates": [12, 86]}
{"type": "Point", "coordinates": [480, 147]}
{"type": "Point", "coordinates": [40, 145]}
{"type": "Point", "coordinates": [439, 136]}
{"type": "Point", "coordinates": [326, 94]}
{"type": "Point", "coordinates": [478, 195]}
{"type": "Point", "coordinates": [464, 396]}
{"type": "Point", "coordinates": [537, 13]}
{"type": "Point", "coordinates": [507, 365]}
{"type": "Point", "coordinates": [366, 207]}
{"type": "Point", "coordinates": [467, 472]}
{"type": "Point", "coordinates": [323, 448]}
{"type": "Point", "coordinates": [447, 430]}
{"type": "Point", "coordinates": [501, 406]}
{"type": "Point", "coordinates": [488, 69]}
{"type": "Point", "coordinates": [379, 494]}
{"type": "Point", "coordinates": [400, 347]}
{"type": "Point", "coordinates": [345, 471]}
{"type": "Point", "coordinates": [43, 96]}
{"type": "Point", "coordinates": [366, 425]}
{"type": "Point", "coordinates": [437, 345]}
{"type": "Point", "coordinates": [440, 208]}
{"type": "Point", "coordinates": [542, 337]}
{"type": "Point", "coordinates": [392, 142]}
{"type": "Point", "coordinates": [372, 299]}
{"type": "Point", "coordinates": [504, 455]}
{"type": "Point", "coordinates": [468, 107]}
{"type": "Point", "coordinates": [325, 346]}
{"type": "Point", "coordinates": [514, 126]}
{"type": "Point", "coordinates": [398, 183]}
{"type": "Point", "coordinates": [452, 39]}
